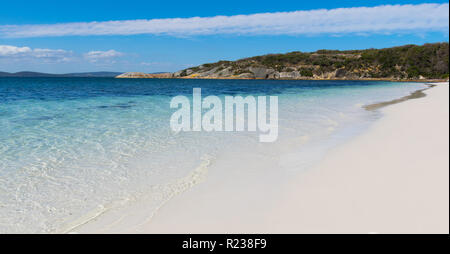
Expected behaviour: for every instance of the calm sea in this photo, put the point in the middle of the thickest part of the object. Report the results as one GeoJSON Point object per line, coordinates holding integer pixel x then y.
{"type": "Point", "coordinates": [74, 148]}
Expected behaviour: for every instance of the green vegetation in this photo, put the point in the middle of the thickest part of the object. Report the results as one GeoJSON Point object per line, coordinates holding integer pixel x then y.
{"type": "Point", "coordinates": [305, 72]}
{"type": "Point", "coordinates": [405, 62]}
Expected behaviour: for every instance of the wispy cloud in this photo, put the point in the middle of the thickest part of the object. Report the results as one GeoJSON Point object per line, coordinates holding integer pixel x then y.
{"type": "Point", "coordinates": [8, 50]}
{"type": "Point", "coordinates": [27, 54]}
{"type": "Point", "coordinates": [380, 19]}
{"type": "Point", "coordinates": [17, 53]}
{"type": "Point", "coordinates": [106, 56]}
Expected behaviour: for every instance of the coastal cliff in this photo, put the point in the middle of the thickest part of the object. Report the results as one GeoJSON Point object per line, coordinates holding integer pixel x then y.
{"type": "Point", "coordinates": [429, 61]}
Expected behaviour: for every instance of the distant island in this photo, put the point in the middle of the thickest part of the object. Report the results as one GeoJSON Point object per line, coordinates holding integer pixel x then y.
{"type": "Point", "coordinates": [409, 62]}
{"type": "Point", "coordinates": [31, 74]}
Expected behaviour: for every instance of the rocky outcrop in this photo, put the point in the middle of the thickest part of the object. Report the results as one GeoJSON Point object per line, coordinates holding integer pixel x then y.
{"type": "Point", "coordinates": [261, 72]}
{"type": "Point", "coordinates": [145, 75]}
{"type": "Point", "coordinates": [288, 75]}
{"type": "Point", "coordinates": [246, 75]}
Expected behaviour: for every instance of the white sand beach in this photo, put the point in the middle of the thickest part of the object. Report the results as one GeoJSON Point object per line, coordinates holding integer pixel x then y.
{"type": "Point", "coordinates": [392, 179]}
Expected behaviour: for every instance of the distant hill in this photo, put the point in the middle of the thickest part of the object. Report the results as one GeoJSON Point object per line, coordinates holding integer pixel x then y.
{"type": "Point", "coordinates": [429, 61]}
{"type": "Point", "coordinates": [100, 74]}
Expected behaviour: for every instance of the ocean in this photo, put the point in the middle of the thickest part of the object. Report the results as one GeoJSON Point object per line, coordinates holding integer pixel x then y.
{"type": "Point", "coordinates": [74, 149]}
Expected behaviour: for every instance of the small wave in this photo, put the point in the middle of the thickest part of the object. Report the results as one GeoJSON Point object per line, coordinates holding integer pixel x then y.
{"type": "Point", "coordinates": [152, 202]}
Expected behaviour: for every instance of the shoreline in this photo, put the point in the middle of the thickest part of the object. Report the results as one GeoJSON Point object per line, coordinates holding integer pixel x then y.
{"type": "Point", "coordinates": [278, 79]}
{"type": "Point", "coordinates": [332, 79]}
{"type": "Point", "coordinates": [415, 95]}
{"type": "Point", "coordinates": [290, 79]}
{"type": "Point", "coordinates": [335, 195]}
{"type": "Point", "coordinates": [238, 201]}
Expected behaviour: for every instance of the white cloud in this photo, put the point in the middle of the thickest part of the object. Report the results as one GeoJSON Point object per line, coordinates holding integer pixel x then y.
{"type": "Point", "coordinates": [379, 19]}
{"type": "Point", "coordinates": [7, 50]}
{"type": "Point", "coordinates": [50, 53]}
{"type": "Point", "coordinates": [14, 52]}
{"type": "Point", "coordinates": [103, 54]}
{"type": "Point", "coordinates": [106, 56]}
{"type": "Point", "coordinates": [28, 54]}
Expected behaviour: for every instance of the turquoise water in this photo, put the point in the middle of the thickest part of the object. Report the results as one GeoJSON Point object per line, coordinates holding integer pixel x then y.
{"type": "Point", "coordinates": [72, 148]}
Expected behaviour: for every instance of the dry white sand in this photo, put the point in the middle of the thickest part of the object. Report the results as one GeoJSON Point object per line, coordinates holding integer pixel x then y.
{"type": "Point", "coordinates": [392, 179]}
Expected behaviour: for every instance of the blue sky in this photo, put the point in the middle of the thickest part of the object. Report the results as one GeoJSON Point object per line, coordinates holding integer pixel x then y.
{"type": "Point", "coordinates": [160, 36]}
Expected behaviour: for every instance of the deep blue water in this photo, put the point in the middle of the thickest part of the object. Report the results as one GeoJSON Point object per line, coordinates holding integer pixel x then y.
{"type": "Point", "coordinates": [79, 88]}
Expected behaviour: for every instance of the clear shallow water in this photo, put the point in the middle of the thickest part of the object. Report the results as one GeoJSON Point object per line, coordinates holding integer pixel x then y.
{"type": "Point", "coordinates": [71, 148]}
